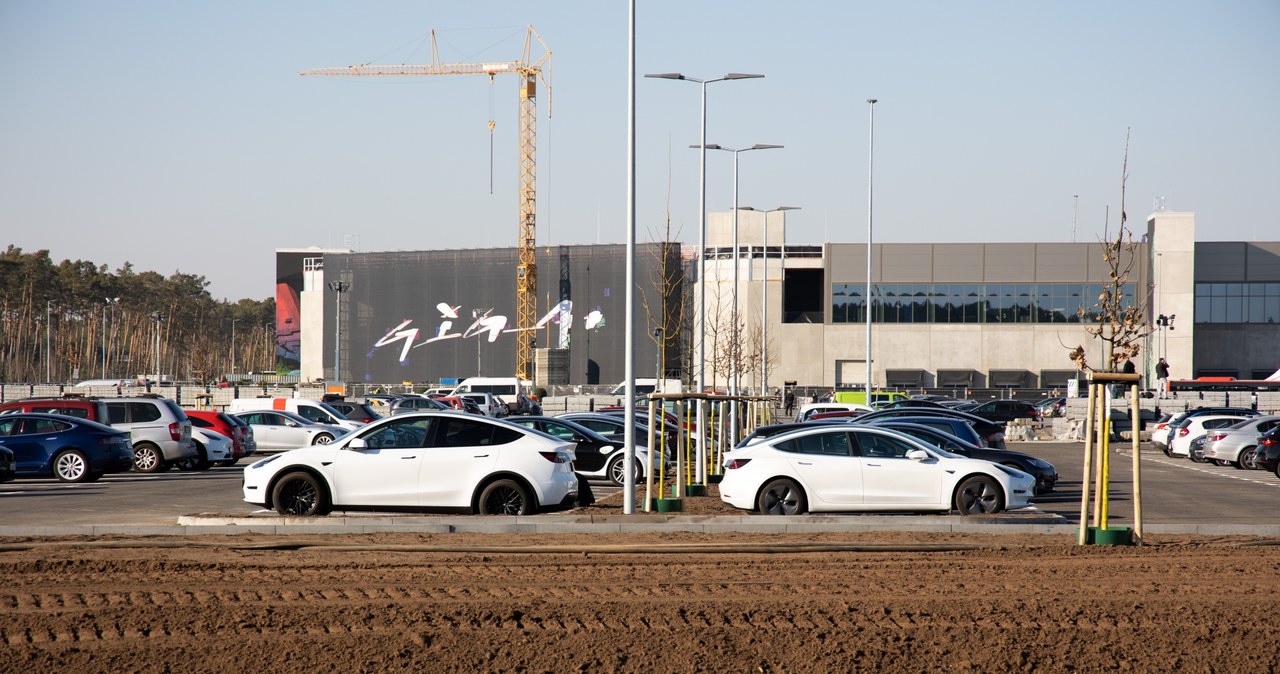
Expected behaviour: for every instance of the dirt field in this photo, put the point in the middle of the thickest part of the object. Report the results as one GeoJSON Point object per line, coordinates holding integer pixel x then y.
{"type": "Point", "coordinates": [687, 602]}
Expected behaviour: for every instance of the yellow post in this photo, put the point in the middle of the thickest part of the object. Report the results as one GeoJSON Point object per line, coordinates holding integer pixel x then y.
{"type": "Point", "coordinates": [1135, 415]}
{"type": "Point", "coordinates": [1104, 467]}
{"type": "Point", "coordinates": [1100, 429]}
{"type": "Point", "coordinates": [1088, 468]}
{"type": "Point", "coordinates": [648, 473]}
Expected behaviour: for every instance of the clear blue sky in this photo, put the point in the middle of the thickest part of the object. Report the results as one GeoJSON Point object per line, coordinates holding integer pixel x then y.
{"type": "Point", "coordinates": [179, 137]}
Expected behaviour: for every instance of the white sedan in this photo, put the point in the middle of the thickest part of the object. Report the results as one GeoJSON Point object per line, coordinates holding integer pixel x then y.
{"type": "Point", "coordinates": [420, 461]}
{"type": "Point", "coordinates": [277, 430]}
{"type": "Point", "coordinates": [212, 446]}
{"type": "Point", "coordinates": [842, 468]}
{"type": "Point", "coordinates": [1190, 429]}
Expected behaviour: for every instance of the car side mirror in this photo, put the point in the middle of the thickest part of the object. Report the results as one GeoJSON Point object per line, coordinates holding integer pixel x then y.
{"type": "Point", "coordinates": [357, 443]}
{"type": "Point", "coordinates": [918, 455]}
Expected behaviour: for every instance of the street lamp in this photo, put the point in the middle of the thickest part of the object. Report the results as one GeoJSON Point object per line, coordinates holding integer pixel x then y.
{"type": "Point", "coordinates": [764, 293]}
{"type": "Point", "coordinates": [338, 287]}
{"type": "Point", "coordinates": [158, 318]}
{"type": "Point", "coordinates": [475, 316]}
{"type": "Point", "coordinates": [110, 302]}
{"type": "Point", "coordinates": [733, 361]}
{"type": "Point", "coordinates": [702, 211]}
{"type": "Point", "coordinates": [871, 137]}
{"type": "Point", "coordinates": [1165, 323]}
{"type": "Point", "coordinates": [233, 348]}
{"type": "Point", "coordinates": [48, 362]}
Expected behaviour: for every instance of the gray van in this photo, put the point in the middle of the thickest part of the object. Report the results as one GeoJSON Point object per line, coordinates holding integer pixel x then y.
{"type": "Point", "coordinates": [160, 431]}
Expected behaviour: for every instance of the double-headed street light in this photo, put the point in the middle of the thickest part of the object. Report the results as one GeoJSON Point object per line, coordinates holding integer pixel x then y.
{"type": "Point", "coordinates": [764, 293]}
{"type": "Point", "coordinates": [338, 287]}
{"type": "Point", "coordinates": [871, 138]}
{"type": "Point", "coordinates": [702, 212]}
{"type": "Point", "coordinates": [733, 361]}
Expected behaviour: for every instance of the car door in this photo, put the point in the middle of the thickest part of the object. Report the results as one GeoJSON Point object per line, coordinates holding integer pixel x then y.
{"type": "Point", "coordinates": [460, 452]}
{"type": "Point", "coordinates": [272, 431]}
{"type": "Point", "coordinates": [589, 455]}
{"type": "Point", "coordinates": [828, 465]}
{"type": "Point", "coordinates": [890, 478]}
{"type": "Point", "coordinates": [385, 472]}
{"type": "Point", "coordinates": [30, 453]}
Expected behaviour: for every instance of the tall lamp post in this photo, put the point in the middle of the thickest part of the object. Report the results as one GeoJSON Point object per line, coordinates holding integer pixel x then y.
{"type": "Point", "coordinates": [233, 349]}
{"type": "Point", "coordinates": [764, 294]}
{"type": "Point", "coordinates": [48, 360]}
{"type": "Point", "coordinates": [702, 209]}
{"type": "Point", "coordinates": [871, 138]}
{"type": "Point", "coordinates": [111, 304]}
{"type": "Point", "coordinates": [733, 361]}
{"type": "Point", "coordinates": [158, 318]}
{"type": "Point", "coordinates": [338, 287]}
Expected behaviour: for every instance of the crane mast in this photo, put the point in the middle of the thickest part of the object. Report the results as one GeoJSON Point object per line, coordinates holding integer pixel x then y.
{"type": "Point", "coordinates": [530, 71]}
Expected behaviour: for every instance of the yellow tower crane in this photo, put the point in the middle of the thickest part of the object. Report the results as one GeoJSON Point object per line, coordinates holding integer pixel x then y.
{"type": "Point", "coordinates": [530, 71]}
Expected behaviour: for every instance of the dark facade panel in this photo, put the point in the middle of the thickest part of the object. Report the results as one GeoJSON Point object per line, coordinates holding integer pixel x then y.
{"type": "Point", "coordinates": [423, 316]}
{"type": "Point", "coordinates": [1263, 260]}
{"type": "Point", "coordinates": [1221, 261]}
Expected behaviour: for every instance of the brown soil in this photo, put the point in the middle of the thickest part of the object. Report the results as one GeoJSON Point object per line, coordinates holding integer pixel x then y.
{"type": "Point", "coordinates": [661, 603]}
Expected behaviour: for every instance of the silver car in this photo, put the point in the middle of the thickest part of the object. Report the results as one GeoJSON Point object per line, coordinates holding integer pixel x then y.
{"type": "Point", "coordinates": [277, 430]}
{"type": "Point", "coordinates": [159, 428]}
{"type": "Point", "coordinates": [1229, 445]}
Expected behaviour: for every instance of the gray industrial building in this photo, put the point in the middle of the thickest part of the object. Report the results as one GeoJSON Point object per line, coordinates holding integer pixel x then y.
{"type": "Point", "coordinates": [956, 315]}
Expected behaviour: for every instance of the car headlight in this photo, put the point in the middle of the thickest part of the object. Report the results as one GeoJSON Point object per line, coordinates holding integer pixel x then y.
{"type": "Point", "coordinates": [269, 459]}
{"type": "Point", "coordinates": [1038, 463]}
{"type": "Point", "coordinates": [1012, 472]}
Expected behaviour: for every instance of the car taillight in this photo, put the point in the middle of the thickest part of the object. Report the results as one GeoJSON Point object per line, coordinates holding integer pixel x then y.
{"type": "Point", "coordinates": [1268, 441]}
{"type": "Point", "coordinates": [1182, 432]}
{"type": "Point", "coordinates": [555, 457]}
{"type": "Point", "coordinates": [1216, 437]}
{"type": "Point", "coordinates": [736, 463]}
{"type": "Point", "coordinates": [175, 430]}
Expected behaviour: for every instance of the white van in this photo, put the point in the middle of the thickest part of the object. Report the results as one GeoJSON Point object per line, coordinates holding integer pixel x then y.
{"type": "Point", "coordinates": [506, 389]}
{"type": "Point", "coordinates": [312, 410]}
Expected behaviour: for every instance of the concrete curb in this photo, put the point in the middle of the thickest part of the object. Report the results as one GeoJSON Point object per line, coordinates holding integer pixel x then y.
{"type": "Point", "coordinates": [196, 525]}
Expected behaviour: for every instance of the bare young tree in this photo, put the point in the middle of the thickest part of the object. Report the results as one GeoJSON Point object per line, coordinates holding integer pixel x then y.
{"type": "Point", "coordinates": [1121, 326]}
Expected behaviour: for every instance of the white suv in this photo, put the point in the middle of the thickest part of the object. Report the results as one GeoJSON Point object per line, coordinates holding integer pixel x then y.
{"type": "Point", "coordinates": [160, 430]}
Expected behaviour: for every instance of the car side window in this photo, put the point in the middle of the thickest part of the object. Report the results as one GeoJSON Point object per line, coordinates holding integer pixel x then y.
{"type": "Point", "coordinates": [200, 422]}
{"type": "Point", "coordinates": [41, 426]}
{"type": "Point", "coordinates": [826, 444]}
{"type": "Point", "coordinates": [143, 412]}
{"type": "Point", "coordinates": [119, 413]}
{"type": "Point", "coordinates": [468, 433]}
{"type": "Point", "coordinates": [562, 432]}
{"type": "Point", "coordinates": [407, 434]}
{"type": "Point", "coordinates": [8, 426]}
{"type": "Point", "coordinates": [879, 446]}
{"type": "Point", "coordinates": [311, 413]}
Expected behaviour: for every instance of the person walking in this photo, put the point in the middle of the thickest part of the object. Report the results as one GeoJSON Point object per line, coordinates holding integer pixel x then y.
{"type": "Point", "coordinates": [791, 402]}
{"type": "Point", "coordinates": [1162, 378]}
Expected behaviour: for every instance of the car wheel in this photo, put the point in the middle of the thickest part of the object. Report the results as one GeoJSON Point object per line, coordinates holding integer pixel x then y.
{"type": "Point", "coordinates": [504, 497]}
{"type": "Point", "coordinates": [1168, 451]}
{"type": "Point", "coordinates": [199, 462]}
{"type": "Point", "coordinates": [781, 497]}
{"type": "Point", "coordinates": [1196, 455]}
{"type": "Point", "coordinates": [71, 466]}
{"type": "Point", "coordinates": [617, 470]}
{"type": "Point", "coordinates": [979, 495]}
{"type": "Point", "coordinates": [322, 439]}
{"type": "Point", "coordinates": [1248, 459]}
{"type": "Point", "coordinates": [148, 459]}
{"type": "Point", "coordinates": [300, 494]}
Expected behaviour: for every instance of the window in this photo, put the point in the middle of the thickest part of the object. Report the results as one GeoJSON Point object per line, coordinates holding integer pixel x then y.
{"type": "Point", "coordinates": [829, 444]}
{"type": "Point", "coordinates": [468, 433]}
{"type": "Point", "coordinates": [119, 414]}
{"type": "Point", "coordinates": [1237, 303]}
{"type": "Point", "coordinates": [139, 412]}
{"type": "Point", "coordinates": [400, 434]}
{"type": "Point", "coordinates": [875, 445]}
{"type": "Point", "coordinates": [990, 303]}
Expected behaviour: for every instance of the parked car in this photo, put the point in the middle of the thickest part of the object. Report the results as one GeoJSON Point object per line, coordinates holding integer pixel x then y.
{"type": "Point", "coordinates": [410, 404]}
{"type": "Point", "coordinates": [1161, 437]}
{"type": "Point", "coordinates": [160, 430]}
{"type": "Point", "coordinates": [959, 428]}
{"type": "Point", "coordinates": [315, 411]}
{"type": "Point", "coordinates": [1053, 406]}
{"type": "Point", "coordinates": [242, 443]}
{"type": "Point", "coordinates": [594, 454]}
{"type": "Point", "coordinates": [1006, 410]}
{"type": "Point", "coordinates": [1269, 451]}
{"type": "Point", "coordinates": [1237, 444]}
{"type": "Point", "coordinates": [420, 461]}
{"type": "Point", "coordinates": [910, 402]}
{"type": "Point", "coordinates": [360, 412]}
{"type": "Point", "coordinates": [855, 467]}
{"type": "Point", "coordinates": [488, 403]}
{"type": "Point", "coordinates": [81, 407]}
{"type": "Point", "coordinates": [1045, 474]}
{"type": "Point", "coordinates": [992, 432]}
{"type": "Point", "coordinates": [762, 433]}
{"type": "Point", "coordinates": [614, 428]}
{"type": "Point", "coordinates": [807, 410]}
{"type": "Point", "coordinates": [8, 468]}
{"type": "Point", "coordinates": [213, 447]}
{"type": "Point", "coordinates": [1196, 426]}
{"type": "Point", "coordinates": [67, 448]}
{"type": "Point", "coordinates": [277, 430]}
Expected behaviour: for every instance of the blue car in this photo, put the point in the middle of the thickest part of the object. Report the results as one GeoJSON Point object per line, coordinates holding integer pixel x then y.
{"type": "Point", "coordinates": [68, 448]}
{"type": "Point", "coordinates": [6, 464]}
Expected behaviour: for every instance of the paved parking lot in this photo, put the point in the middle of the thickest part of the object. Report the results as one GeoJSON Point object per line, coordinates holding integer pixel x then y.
{"type": "Point", "coordinates": [1173, 491]}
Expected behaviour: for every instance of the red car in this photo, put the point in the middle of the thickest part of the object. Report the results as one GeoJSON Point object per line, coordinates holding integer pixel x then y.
{"type": "Point", "coordinates": [241, 434]}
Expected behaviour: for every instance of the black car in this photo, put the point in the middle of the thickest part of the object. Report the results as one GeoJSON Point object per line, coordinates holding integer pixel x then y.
{"type": "Point", "coordinates": [1045, 474]}
{"type": "Point", "coordinates": [362, 412]}
{"type": "Point", "coordinates": [992, 432]}
{"type": "Point", "coordinates": [1006, 410]}
{"type": "Point", "coordinates": [594, 456]}
{"type": "Point", "coordinates": [8, 469]}
{"type": "Point", "coordinates": [770, 430]}
{"type": "Point", "coordinates": [1269, 450]}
